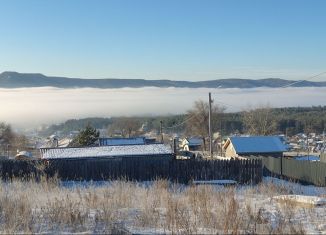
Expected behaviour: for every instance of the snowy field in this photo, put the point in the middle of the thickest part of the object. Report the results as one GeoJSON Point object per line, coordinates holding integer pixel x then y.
{"type": "Point", "coordinates": [159, 207]}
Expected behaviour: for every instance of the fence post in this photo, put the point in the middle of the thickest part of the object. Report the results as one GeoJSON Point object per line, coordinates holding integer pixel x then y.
{"type": "Point", "coordinates": [282, 165]}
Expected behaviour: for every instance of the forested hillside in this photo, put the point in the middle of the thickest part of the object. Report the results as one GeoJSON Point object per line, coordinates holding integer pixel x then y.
{"type": "Point", "coordinates": [20, 80]}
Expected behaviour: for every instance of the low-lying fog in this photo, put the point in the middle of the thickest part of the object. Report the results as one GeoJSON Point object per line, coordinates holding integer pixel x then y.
{"type": "Point", "coordinates": [34, 106]}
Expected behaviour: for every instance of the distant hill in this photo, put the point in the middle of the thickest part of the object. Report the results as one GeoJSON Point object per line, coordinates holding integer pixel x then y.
{"type": "Point", "coordinates": [21, 80]}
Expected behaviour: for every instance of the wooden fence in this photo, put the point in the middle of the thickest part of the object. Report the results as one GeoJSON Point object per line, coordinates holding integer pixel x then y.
{"type": "Point", "coordinates": [10, 169]}
{"type": "Point", "coordinates": [310, 172]}
{"type": "Point", "coordinates": [242, 171]}
{"type": "Point", "coordinates": [140, 169]}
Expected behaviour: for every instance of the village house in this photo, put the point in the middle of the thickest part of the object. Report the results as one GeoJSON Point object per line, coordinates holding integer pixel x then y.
{"type": "Point", "coordinates": [54, 141]}
{"type": "Point", "coordinates": [312, 142]}
{"type": "Point", "coordinates": [126, 141]}
{"type": "Point", "coordinates": [191, 144]}
{"type": "Point", "coordinates": [121, 141]}
{"type": "Point", "coordinates": [254, 146]}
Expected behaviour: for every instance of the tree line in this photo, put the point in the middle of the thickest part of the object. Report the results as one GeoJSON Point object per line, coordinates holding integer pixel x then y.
{"type": "Point", "coordinates": [262, 120]}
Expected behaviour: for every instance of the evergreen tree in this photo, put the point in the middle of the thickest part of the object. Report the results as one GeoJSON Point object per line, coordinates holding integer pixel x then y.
{"type": "Point", "coordinates": [86, 137]}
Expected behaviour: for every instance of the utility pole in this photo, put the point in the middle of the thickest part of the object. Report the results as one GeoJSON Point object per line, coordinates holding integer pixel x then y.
{"type": "Point", "coordinates": [324, 146]}
{"type": "Point", "coordinates": [221, 137]}
{"type": "Point", "coordinates": [210, 101]}
{"type": "Point", "coordinates": [8, 145]}
{"type": "Point", "coordinates": [161, 130]}
{"type": "Point", "coordinates": [307, 147]}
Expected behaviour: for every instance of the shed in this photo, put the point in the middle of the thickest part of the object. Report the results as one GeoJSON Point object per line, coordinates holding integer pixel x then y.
{"type": "Point", "coordinates": [240, 146]}
{"type": "Point", "coordinates": [121, 141]}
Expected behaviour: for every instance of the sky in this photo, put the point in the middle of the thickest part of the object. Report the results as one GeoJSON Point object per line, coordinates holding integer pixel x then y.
{"type": "Point", "coordinates": [167, 39]}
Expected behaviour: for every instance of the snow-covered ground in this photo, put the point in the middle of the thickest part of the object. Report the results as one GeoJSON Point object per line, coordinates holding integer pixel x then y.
{"type": "Point", "coordinates": [302, 199]}
{"type": "Point", "coordinates": [304, 204]}
{"type": "Point", "coordinates": [161, 207]}
{"type": "Point", "coordinates": [276, 201]}
{"type": "Point", "coordinates": [293, 207]}
{"type": "Point", "coordinates": [296, 188]}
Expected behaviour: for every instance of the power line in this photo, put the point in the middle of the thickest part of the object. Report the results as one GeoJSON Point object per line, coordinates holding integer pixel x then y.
{"type": "Point", "coordinates": [235, 106]}
{"type": "Point", "coordinates": [194, 115]}
{"type": "Point", "coordinates": [285, 86]}
{"type": "Point", "coordinates": [188, 119]}
{"type": "Point", "coordinates": [210, 124]}
{"type": "Point", "coordinates": [230, 105]}
{"type": "Point", "coordinates": [307, 79]}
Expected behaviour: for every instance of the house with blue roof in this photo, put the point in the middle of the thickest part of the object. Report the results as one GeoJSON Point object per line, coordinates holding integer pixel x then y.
{"type": "Point", "coordinates": [121, 141]}
{"type": "Point", "coordinates": [191, 144]}
{"type": "Point", "coordinates": [254, 146]}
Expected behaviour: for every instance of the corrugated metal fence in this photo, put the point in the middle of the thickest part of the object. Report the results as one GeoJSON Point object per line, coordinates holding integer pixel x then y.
{"type": "Point", "coordinates": [323, 157]}
{"type": "Point", "coordinates": [311, 172]}
{"type": "Point", "coordinates": [140, 169]}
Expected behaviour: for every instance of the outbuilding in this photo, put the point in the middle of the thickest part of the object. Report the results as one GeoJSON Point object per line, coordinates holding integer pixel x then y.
{"type": "Point", "coordinates": [247, 146]}
{"type": "Point", "coordinates": [134, 162]}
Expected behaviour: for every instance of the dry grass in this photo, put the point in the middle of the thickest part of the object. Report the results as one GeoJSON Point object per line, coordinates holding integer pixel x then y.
{"type": "Point", "coordinates": [46, 206]}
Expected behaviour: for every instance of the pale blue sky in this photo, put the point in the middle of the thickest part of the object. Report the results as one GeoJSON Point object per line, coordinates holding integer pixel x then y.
{"type": "Point", "coordinates": [166, 39]}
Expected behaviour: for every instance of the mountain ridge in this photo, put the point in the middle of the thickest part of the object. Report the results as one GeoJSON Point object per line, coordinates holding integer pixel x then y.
{"type": "Point", "coordinates": [24, 80]}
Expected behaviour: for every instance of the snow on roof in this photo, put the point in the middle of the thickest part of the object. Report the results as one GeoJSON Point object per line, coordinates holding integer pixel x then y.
{"type": "Point", "coordinates": [64, 142]}
{"type": "Point", "coordinates": [258, 144]}
{"type": "Point", "coordinates": [53, 137]}
{"type": "Point", "coordinates": [25, 154]}
{"type": "Point", "coordinates": [121, 141]}
{"type": "Point", "coordinates": [107, 151]}
{"type": "Point", "coordinates": [48, 144]}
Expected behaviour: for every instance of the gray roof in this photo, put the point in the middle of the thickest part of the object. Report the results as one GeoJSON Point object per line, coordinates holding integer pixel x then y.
{"type": "Point", "coordinates": [107, 151]}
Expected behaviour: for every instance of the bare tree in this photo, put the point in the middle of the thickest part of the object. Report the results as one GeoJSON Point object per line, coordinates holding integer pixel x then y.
{"type": "Point", "coordinates": [20, 141]}
{"type": "Point", "coordinates": [126, 126]}
{"type": "Point", "coordinates": [7, 138]}
{"type": "Point", "coordinates": [198, 119]}
{"type": "Point", "coordinates": [6, 133]}
{"type": "Point", "coordinates": [11, 141]}
{"type": "Point", "coordinates": [259, 121]}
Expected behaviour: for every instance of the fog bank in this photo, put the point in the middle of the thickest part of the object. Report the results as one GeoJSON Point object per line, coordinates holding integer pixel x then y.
{"type": "Point", "coordinates": [30, 107]}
